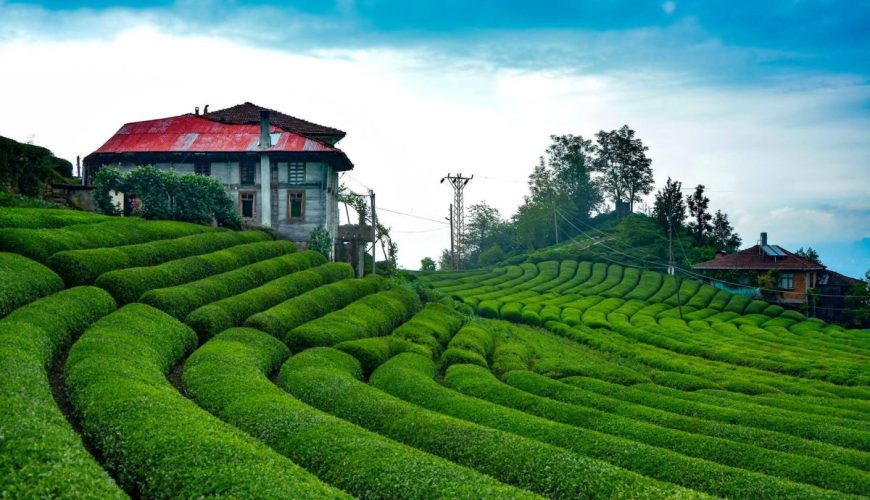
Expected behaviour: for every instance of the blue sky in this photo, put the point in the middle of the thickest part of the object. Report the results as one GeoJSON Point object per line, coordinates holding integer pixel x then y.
{"type": "Point", "coordinates": [767, 103]}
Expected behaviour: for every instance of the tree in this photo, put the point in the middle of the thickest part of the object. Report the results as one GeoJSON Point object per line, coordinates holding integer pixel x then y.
{"type": "Point", "coordinates": [669, 203]}
{"type": "Point", "coordinates": [723, 234]}
{"type": "Point", "coordinates": [490, 256]}
{"type": "Point", "coordinates": [483, 221]}
{"type": "Point", "coordinates": [626, 170]}
{"type": "Point", "coordinates": [445, 261]}
{"type": "Point", "coordinates": [700, 218]}
{"type": "Point", "coordinates": [858, 302]}
{"type": "Point", "coordinates": [570, 160]}
{"type": "Point", "coordinates": [427, 264]}
{"type": "Point", "coordinates": [320, 241]}
{"type": "Point", "coordinates": [809, 254]}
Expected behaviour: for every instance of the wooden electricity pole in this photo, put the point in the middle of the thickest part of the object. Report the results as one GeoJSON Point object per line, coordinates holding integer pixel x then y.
{"type": "Point", "coordinates": [374, 231]}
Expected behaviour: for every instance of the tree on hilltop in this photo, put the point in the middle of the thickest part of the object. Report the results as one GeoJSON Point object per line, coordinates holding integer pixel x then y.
{"type": "Point", "coordinates": [669, 204]}
{"type": "Point", "coordinates": [626, 170]}
{"type": "Point", "coordinates": [722, 233]}
{"type": "Point", "coordinates": [700, 218]}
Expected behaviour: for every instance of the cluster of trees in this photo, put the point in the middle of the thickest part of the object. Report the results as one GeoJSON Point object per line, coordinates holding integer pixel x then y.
{"type": "Point", "coordinates": [577, 180]}
{"type": "Point", "coordinates": [692, 214]}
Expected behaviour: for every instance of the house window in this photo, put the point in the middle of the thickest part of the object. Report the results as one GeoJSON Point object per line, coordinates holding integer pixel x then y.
{"type": "Point", "coordinates": [296, 173]}
{"type": "Point", "coordinates": [785, 281]}
{"type": "Point", "coordinates": [248, 171]}
{"type": "Point", "coordinates": [295, 205]}
{"type": "Point", "coordinates": [247, 205]}
{"type": "Point", "coordinates": [202, 169]}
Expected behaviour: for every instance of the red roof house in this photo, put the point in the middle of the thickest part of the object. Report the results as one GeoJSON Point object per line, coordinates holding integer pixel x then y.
{"type": "Point", "coordinates": [281, 170]}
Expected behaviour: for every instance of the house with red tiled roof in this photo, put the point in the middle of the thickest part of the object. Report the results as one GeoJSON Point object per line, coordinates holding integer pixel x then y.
{"type": "Point", "coordinates": [282, 171]}
{"type": "Point", "coordinates": [795, 276]}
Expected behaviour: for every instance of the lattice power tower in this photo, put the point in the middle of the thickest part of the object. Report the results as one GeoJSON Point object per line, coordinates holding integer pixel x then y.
{"type": "Point", "coordinates": [457, 217]}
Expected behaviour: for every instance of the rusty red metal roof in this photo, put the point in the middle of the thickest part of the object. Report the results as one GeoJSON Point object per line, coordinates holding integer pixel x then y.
{"type": "Point", "coordinates": [192, 133]}
{"type": "Point", "coordinates": [249, 113]}
{"type": "Point", "coordinates": [754, 258]}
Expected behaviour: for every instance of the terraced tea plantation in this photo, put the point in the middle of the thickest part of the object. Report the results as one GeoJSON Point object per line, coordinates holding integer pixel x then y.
{"type": "Point", "coordinates": [161, 359]}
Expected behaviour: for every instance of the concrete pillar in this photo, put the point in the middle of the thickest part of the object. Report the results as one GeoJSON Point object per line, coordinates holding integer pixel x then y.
{"type": "Point", "coordinates": [265, 191]}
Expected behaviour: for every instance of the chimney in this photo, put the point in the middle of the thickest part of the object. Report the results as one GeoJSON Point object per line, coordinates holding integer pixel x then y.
{"type": "Point", "coordinates": [205, 109]}
{"type": "Point", "coordinates": [763, 239]}
{"type": "Point", "coordinates": [265, 138]}
{"type": "Point", "coordinates": [196, 110]}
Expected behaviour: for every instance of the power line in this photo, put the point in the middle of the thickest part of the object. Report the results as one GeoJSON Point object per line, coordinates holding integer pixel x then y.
{"type": "Point", "coordinates": [412, 215]}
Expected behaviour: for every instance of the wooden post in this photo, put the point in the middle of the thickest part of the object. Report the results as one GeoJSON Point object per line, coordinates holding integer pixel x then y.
{"type": "Point", "coordinates": [374, 232]}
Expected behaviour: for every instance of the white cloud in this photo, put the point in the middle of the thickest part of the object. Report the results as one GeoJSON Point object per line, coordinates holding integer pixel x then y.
{"type": "Point", "coordinates": [411, 118]}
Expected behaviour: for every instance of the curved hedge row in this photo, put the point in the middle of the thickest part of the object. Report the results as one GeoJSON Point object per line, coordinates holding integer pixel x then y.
{"type": "Point", "coordinates": [158, 443]}
{"type": "Point", "coordinates": [181, 300]}
{"type": "Point", "coordinates": [43, 218]}
{"type": "Point", "coordinates": [329, 380]}
{"type": "Point", "coordinates": [473, 343]}
{"type": "Point", "coordinates": [83, 267]}
{"type": "Point", "coordinates": [228, 377]}
{"type": "Point", "coordinates": [127, 285]}
{"type": "Point", "coordinates": [278, 320]}
{"type": "Point", "coordinates": [24, 280]}
{"type": "Point", "coordinates": [410, 377]}
{"type": "Point", "coordinates": [41, 456]}
{"type": "Point", "coordinates": [40, 244]}
{"type": "Point", "coordinates": [432, 327]}
{"type": "Point", "coordinates": [371, 316]}
{"type": "Point", "coordinates": [473, 381]}
{"type": "Point", "coordinates": [213, 318]}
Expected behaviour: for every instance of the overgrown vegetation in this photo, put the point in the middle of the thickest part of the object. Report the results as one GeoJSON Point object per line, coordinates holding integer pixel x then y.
{"type": "Point", "coordinates": [161, 194]}
{"type": "Point", "coordinates": [25, 169]}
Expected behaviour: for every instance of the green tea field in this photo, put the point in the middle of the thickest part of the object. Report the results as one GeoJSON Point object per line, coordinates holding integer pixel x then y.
{"type": "Point", "coordinates": [157, 359]}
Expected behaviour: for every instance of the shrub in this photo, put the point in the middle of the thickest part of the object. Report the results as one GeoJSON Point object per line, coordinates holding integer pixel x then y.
{"type": "Point", "coordinates": [283, 317]}
{"type": "Point", "coordinates": [228, 377]}
{"type": "Point", "coordinates": [432, 327]}
{"type": "Point", "coordinates": [40, 244]}
{"type": "Point", "coordinates": [509, 356]}
{"type": "Point", "coordinates": [180, 300]}
{"type": "Point", "coordinates": [157, 442]}
{"type": "Point", "coordinates": [127, 285]}
{"type": "Point", "coordinates": [488, 308]}
{"type": "Point", "coordinates": [23, 281]}
{"type": "Point", "coordinates": [83, 267]}
{"type": "Point", "coordinates": [319, 240]}
{"type": "Point", "coordinates": [373, 351]}
{"type": "Point", "coordinates": [41, 456]}
{"type": "Point", "coordinates": [42, 218]}
{"type": "Point", "coordinates": [329, 380]}
{"type": "Point", "coordinates": [474, 337]}
{"type": "Point", "coordinates": [512, 311]}
{"type": "Point", "coordinates": [453, 356]}
{"type": "Point", "coordinates": [371, 316]}
{"type": "Point", "coordinates": [213, 318]}
{"type": "Point", "coordinates": [409, 376]}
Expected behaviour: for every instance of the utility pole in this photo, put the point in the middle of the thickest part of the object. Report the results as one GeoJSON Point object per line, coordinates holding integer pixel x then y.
{"type": "Point", "coordinates": [452, 255]}
{"type": "Point", "coordinates": [671, 270]}
{"type": "Point", "coordinates": [458, 182]}
{"type": "Point", "coordinates": [374, 231]}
